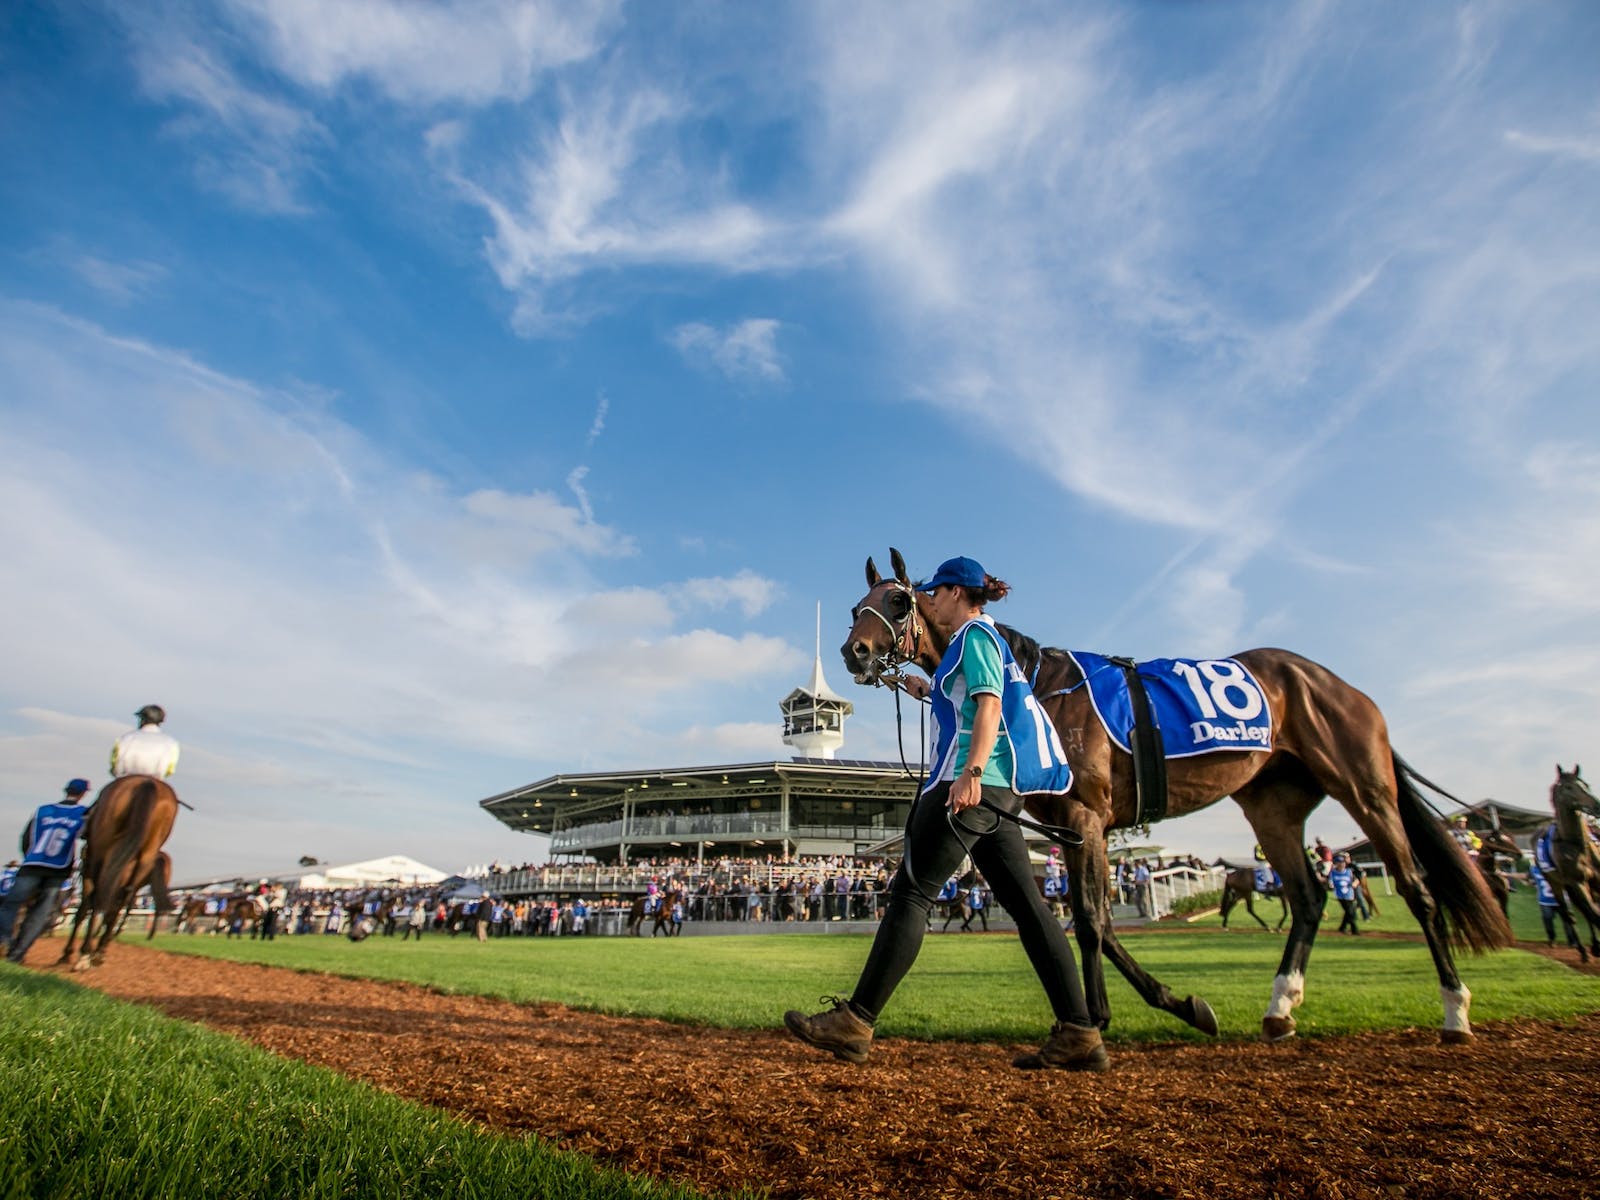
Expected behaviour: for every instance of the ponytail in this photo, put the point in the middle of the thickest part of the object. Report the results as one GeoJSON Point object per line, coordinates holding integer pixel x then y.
{"type": "Point", "coordinates": [993, 589]}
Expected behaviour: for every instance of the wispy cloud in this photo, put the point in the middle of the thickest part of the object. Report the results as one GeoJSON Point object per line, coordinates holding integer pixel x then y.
{"type": "Point", "coordinates": [604, 187]}
{"type": "Point", "coordinates": [248, 76]}
{"type": "Point", "coordinates": [306, 590]}
{"type": "Point", "coordinates": [122, 282]}
{"type": "Point", "coordinates": [749, 592]}
{"type": "Point", "coordinates": [575, 478]}
{"type": "Point", "coordinates": [1543, 554]}
{"type": "Point", "coordinates": [1583, 148]}
{"type": "Point", "coordinates": [471, 51]}
{"type": "Point", "coordinates": [746, 351]}
{"type": "Point", "coordinates": [250, 144]}
{"type": "Point", "coordinates": [602, 409]}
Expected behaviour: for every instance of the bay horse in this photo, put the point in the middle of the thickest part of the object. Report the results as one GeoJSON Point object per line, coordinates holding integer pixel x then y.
{"type": "Point", "coordinates": [360, 924]}
{"type": "Point", "coordinates": [241, 914]}
{"type": "Point", "coordinates": [661, 914]}
{"type": "Point", "coordinates": [189, 914]}
{"type": "Point", "coordinates": [1574, 874]}
{"type": "Point", "coordinates": [1330, 740]}
{"type": "Point", "coordinates": [1240, 884]}
{"type": "Point", "coordinates": [132, 817]}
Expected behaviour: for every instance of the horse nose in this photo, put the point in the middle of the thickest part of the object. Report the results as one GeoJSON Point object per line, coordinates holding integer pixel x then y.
{"type": "Point", "coordinates": [856, 656]}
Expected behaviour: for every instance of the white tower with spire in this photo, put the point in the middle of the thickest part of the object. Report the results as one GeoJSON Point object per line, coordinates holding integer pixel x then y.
{"type": "Point", "coordinates": [813, 715]}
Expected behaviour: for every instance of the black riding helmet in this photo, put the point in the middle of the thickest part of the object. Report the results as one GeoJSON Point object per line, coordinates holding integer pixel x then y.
{"type": "Point", "coordinates": [151, 714]}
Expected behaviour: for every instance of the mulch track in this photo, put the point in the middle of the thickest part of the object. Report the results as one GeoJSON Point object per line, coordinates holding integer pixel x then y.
{"type": "Point", "coordinates": [1389, 1114]}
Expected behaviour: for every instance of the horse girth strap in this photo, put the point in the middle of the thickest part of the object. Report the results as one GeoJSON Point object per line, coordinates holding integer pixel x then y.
{"type": "Point", "coordinates": [1144, 741]}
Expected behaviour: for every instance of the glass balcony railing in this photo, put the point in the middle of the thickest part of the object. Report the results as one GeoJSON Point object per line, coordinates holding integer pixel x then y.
{"type": "Point", "coordinates": [709, 827]}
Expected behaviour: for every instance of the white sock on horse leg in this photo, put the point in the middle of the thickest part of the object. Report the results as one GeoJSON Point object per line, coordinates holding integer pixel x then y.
{"type": "Point", "coordinates": [1287, 991]}
{"type": "Point", "coordinates": [1456, 1004]}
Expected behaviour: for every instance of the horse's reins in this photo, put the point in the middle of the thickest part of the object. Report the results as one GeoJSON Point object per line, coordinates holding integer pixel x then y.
{"type": "Point", "coordinates": [1413, 773]}
{"type": "Point", "coordinates": [905, 635]}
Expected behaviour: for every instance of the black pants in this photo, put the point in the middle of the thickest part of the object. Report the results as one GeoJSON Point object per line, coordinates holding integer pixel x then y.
{"type": "Point", "coordinates": [36, 891]}
{"type": "Point", "coordinates": [1547, 914]}
{"type": "Point", "coordinates": [932, 852]}
{"type": "Point", "coordinates": [1349, 920]}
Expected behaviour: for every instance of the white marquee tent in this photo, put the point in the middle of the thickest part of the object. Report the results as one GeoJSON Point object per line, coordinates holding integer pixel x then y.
{"type": "Point", "coordinates": [396, 869]}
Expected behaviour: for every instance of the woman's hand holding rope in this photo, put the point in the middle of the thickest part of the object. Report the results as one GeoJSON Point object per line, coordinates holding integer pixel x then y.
{"type": "Point", "coordinates": [914, 686]}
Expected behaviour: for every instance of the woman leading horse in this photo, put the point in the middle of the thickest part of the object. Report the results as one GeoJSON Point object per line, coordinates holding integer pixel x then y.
{"type": "Point", "coordinates": [989, 752]}
{"type": "Point", "coordinates": [1328, 739]}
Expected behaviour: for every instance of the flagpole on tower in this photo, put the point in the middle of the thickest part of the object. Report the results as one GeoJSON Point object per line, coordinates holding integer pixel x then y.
{"type": "Point", "coordinates": [814, 714]}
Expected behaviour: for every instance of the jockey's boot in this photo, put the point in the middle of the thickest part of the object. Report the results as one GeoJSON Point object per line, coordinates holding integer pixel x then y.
{"type": "Point", "coordinates": [1068, 1048]}
{"type": "Point", "coordinates": [839, 1030]}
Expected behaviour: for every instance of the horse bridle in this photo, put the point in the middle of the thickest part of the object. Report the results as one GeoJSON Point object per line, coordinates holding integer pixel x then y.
{"type": "Point", "coordinates": [1585, 804]}
{"type": "Point", "coordinates": [905, 634]}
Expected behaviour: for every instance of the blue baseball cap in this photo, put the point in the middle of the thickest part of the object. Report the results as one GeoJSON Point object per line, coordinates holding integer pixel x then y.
{"type": "Point", "coordinates": [77, 787]}
{"type": "Point", "coordinates": [962, 572]}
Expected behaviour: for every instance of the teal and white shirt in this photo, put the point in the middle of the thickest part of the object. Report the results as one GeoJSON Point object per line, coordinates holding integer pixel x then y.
{"type": "Point", "coordinates": [1027, 756]}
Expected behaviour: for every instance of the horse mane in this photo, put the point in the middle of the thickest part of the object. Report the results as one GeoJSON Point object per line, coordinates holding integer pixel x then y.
{"type": "Point", "coordinates": [1031, 656]}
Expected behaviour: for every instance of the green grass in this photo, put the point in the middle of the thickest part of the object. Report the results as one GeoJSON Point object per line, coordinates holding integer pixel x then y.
{"type": "Point", "coordinates": [109, 1099]}
{"type": "Point", "coordinates": [1393, 916]}
{"type": "Point", "coordinates": [962, 987]}
{"type": "Point", "coordinates": [105, 1098]}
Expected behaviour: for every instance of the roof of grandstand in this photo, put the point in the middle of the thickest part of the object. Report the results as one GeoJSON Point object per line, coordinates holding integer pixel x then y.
{"type": "Point", "coordinates": [535, 806]}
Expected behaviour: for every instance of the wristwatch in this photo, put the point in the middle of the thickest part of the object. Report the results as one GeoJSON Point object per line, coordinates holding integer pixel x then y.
{"type": "Point", "coordinates": [975, 770]}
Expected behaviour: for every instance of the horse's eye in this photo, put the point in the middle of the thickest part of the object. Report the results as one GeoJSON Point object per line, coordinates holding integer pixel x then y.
{"type": "Point", "coordinates": [897, 604]}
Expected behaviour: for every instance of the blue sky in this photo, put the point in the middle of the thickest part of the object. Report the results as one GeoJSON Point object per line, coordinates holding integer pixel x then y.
{"type": "Point", "coordinates": [420, 399]}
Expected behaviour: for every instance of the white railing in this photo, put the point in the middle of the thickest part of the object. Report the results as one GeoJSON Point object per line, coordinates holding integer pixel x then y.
{"type": "Point", "coordinates": [1174, 883]}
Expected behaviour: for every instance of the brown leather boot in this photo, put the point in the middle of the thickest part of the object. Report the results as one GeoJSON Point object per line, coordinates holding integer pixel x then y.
{"type": "Point", "coordinates": [1068, 1048]}
{"type": "Point", "coordinates": [838, 1030]}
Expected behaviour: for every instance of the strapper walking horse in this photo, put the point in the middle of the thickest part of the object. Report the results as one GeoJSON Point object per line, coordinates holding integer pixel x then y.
{"type": "Point", "coordinates": [123, 837]}
{"type": "Point", "coordinates": [1328, 740]}
{"type": "Point", "coordinates": [1572, 864]}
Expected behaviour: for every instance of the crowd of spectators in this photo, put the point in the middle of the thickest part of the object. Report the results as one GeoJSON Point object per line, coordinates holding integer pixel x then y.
{"type": "Point", "coordinates": [538, 900]}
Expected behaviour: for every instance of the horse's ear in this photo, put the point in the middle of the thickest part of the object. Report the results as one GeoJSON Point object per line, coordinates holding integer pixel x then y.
{"type": "Point", "coordinates": [899, 564]}
{"type": "Point", "coordinates": [873, 578]}
{"type": "Point", "coordinates": [1559, 771]}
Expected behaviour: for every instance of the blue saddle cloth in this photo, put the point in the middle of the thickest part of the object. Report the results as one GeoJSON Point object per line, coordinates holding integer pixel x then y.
{"type": "Point", "coordinates": [1200, 705]}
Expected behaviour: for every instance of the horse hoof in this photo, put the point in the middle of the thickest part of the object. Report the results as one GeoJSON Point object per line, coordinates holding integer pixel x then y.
{"type": "Point", "coordinates": [1455, 1037]}
{"type": "Point", "coordinates": [83, 964]}
{"type": "Point", "coordinates": [1277, 1029]}
{"type": "Point", "coordinates": [1201, 1017]}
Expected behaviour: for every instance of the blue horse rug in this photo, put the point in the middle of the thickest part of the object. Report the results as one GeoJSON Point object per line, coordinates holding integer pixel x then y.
{"type": "Point", "coordinates": [1200, 705]}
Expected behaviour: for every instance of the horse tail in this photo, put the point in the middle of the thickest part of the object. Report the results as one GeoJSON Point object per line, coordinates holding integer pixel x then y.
{"type": "Point", "coordinates": [141, 805]}
{"type": "Point", "coordinates": [160, 878]}
{"type": "Point", "coordinates": [1473, 920]}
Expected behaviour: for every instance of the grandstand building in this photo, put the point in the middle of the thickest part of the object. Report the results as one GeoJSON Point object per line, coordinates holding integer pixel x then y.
{"type": "Point", "coordinates": [812, 804]}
